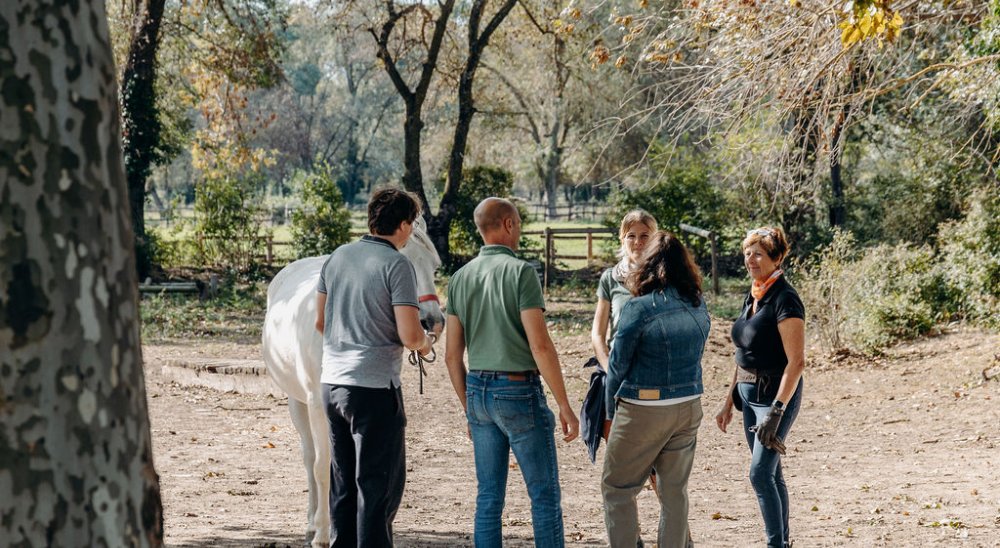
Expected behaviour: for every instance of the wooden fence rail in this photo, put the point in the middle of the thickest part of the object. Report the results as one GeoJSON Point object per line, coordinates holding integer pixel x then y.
{"type": "Point", "coordinates": [569, 212]}
{"type": "Point", "coordinates": [549, 255]}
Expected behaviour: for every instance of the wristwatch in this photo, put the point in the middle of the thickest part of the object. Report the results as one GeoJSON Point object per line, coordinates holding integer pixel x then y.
{"type": "Point", "coordinates": [777, 404]}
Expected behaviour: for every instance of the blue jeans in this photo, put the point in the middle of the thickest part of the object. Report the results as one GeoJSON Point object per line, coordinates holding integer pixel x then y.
{"type": "Point", "coordinates": [765, 464]}
{"type": "Point", "coordinates": [505, 415]}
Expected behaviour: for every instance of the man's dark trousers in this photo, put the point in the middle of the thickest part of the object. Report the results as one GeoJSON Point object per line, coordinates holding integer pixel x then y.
{"type": "Point", "coordinates": [368, 466]}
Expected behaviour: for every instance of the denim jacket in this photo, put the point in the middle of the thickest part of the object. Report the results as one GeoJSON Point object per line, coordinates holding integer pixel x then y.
{"type": "Point", "coordinates": [657, 350]}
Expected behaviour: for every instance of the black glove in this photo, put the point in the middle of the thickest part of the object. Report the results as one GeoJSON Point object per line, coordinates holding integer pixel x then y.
{"type": "Point", "coordinates": [767, 430]}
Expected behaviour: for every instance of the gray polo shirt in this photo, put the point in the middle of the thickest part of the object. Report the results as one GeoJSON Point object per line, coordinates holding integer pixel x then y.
{"type": "Point", "coordinates": [363, 281]}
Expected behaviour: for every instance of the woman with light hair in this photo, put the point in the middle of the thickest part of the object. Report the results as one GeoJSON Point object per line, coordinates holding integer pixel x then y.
{"type": "Point", "coordinates": [636, 228]}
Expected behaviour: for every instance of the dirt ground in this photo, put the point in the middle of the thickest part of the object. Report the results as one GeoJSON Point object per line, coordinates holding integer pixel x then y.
{"type": "Point", "coordinates": [902, 450]}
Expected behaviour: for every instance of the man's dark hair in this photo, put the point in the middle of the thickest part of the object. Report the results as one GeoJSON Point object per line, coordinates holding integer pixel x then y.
{"type": "Point", "coordinates": [388, 208]}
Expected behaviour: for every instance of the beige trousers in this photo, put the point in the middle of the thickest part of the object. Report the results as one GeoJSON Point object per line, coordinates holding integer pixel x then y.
{"type": "Point", "coordinates": [645, 438]}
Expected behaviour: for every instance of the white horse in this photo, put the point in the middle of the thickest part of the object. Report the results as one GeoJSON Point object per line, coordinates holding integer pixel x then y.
{"type": "Point", "coordinates": [293, 352]}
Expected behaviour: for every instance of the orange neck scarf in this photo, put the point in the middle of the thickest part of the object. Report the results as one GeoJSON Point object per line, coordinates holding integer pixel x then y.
{"type": "Point", "coordinates": [759, 289]}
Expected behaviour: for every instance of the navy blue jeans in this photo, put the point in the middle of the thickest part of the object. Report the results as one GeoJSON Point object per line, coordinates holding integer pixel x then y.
{"type": "Point", "coordinates": [368, 464]}
{"type": "Point", "coordinates": [511, 415]}
{"type": "Point", "coordinates": [765, 464]}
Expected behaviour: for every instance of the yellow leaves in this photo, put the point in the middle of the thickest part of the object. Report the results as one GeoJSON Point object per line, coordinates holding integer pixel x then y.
{"type": "Point", "coordinates": [620, 61]}
{"type": "Point", "coordinates": [850, 34]}
{"type": "Point", "coordinates": [795, 3]}
{"type": "Point", "coordinates": [643, 4]}
{"type": "Point", "coordinates": [869, 20]}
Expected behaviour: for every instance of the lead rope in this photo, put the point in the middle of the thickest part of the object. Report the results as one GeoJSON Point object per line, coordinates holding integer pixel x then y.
{"type": "Point", "coordinates": [417, 360]}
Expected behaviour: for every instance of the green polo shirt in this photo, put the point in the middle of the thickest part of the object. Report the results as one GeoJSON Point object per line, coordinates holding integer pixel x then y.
{"type": "Point", "coordinates": [487, 295]}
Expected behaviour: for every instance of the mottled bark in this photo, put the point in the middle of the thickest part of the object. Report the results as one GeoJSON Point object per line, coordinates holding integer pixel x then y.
{"type": "Point", "coordinates": [141, 124]}
{"type": "Point", "coordinates": [75, 455]}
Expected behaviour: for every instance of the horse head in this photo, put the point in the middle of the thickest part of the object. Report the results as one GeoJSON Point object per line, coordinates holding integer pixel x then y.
{"type": "Point", "coordinates": [420, 250]}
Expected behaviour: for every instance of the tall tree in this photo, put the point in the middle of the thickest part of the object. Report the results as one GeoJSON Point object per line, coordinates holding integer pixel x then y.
{"type": "Point", "coordinates": [140, 120]}
{"type": "Point", "coordinates": [413, 97]}
{"type": "Point", "coordinates": [556, 95]}
{"type": "Point", "coordinates": [395, 51]}
{"type": "Point", "coordinates": [478, 35]}
{"type": "Point", "coordinates": [740, 71]}
{"type": "Point", "coordinates": [76, 464]}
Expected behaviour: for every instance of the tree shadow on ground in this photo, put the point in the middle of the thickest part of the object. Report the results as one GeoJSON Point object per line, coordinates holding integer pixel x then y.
{"type": "Point", "coordinates": [282, 539]}
{"type": "Point", "coordinates": [237, 538]}
{"type": "Point", "coordinates": [440, 539]}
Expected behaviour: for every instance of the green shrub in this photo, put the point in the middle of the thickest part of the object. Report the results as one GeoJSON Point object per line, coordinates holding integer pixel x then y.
{"type": "Point", "coordinates": [322, 223]}
{"type": "Point", "coordinates": [174, 246]}
{"type": "Point", "coordinates": [866, 299]}
{"type": "Point", "coordinates": [970, 259]}
{"type": "Point", "coordinates": [822, 284]}
{"type": "Point", "coordinates": [228, 215]}
{"type": "Point", "coordinates": [479, 183]}
{"type": "Point", "coordinates": [236, 313]}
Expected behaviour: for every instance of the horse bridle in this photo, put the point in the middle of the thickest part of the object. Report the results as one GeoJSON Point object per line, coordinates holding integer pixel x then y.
{"type": "Point", "coordinates": [417, 360]}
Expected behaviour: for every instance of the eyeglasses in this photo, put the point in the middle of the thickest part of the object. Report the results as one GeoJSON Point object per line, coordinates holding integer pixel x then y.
{"type": "Point", "coordinates": [765, 232]}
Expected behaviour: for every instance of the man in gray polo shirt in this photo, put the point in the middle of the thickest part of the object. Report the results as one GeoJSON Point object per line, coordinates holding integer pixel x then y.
{"type": "Point", "coordinates": [366, 308]}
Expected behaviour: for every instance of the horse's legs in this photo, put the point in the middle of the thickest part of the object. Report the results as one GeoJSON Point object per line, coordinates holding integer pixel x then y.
{"type": "Point", "coordinates": [319, 428]}
{"type": "Point", "coordinates": [300, 418]}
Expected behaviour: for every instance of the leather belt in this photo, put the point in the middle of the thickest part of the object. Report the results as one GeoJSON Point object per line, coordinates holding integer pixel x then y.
{"type": "Point", "coordinates": [751, 375]}
{"type": "Point", "coordinates": [518, 376]}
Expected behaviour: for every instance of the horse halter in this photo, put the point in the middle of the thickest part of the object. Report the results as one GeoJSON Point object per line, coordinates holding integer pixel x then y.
{"type": "Point", "coordinates": [417, 360]}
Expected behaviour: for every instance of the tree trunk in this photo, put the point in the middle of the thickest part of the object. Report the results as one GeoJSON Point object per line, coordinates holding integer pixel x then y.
{"type": "Point", "coordinates": [440, 225]}
{"type": "Point", "coordinates": [553, 159]}
{"type": "Point", "coordinates": [141, 126]}
{"type": "Point", "coordinates": [838, 209]}
{"type": "Point", "coordinates": [413, 179]}
{"type": "Point", "coordinates": [76, 465]}
{"type": "Point", "coordinates": [350, 179]}
{"type": "Point", "coordinates": [838, 213]}
{"type": "Point", "coordinates": [413, 98]}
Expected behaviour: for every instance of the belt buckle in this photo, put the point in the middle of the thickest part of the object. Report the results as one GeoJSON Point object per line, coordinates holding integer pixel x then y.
{"type": "Point", "coordinates": [516, 377]}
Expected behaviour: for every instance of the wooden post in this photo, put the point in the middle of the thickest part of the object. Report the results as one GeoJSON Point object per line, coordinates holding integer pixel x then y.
{"type": "Point", "coordinates": [590, 246]}
{"type": "Point", "coordinates": [715, 264]}
{"type": "Point", "coordinates": [269, 255]}
{"type": "Point", "coordinates": [548, 258]}
{"type": "Point", "coordinates": [712, 237]}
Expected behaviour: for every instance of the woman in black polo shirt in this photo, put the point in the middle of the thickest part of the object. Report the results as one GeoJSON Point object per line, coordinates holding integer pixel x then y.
{"type": "Point", "coordinates": [769, 337]}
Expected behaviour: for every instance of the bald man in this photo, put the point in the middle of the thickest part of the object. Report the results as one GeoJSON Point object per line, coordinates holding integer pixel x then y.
{"type": "Point", "coordinates": [496, 310]}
